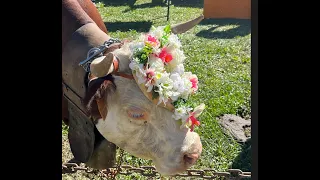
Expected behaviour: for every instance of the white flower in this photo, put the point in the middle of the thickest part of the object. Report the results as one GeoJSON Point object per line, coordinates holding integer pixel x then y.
{"type": "Point", "coordinates": [150, 86]}
{"type": "Point", "coordinates": [193, 78]}
{"type": "Point", "coordinates": [173, 94]}
{"type": "Point", "coordinates": [164, 84]}
{"type": "Point", "coordinates": [187, 75]}
{"type": "Point", "coordinates": [156, 50]}
{"type": "Point", "coordinates": [181, 113]}
{"type": "Point", "coordinates": [156, 63]}
{"type": "Point", "coordinates": [174, 42]}
{"type": "Point", "coordinates": [141, 75]}
{"type": "Point", "coordinates": [198, 110]}
{"type": "Point", "coordinates": [178, 58]}
{"type": "Point", "coordinates": [164, 79]}
{"type": "Point", "coordinates": [140, 72]}
{"type": "Point", "coordinates": [162, 97]}
{"type": "Point", "coordinates": [178, 86]}
{"type": "Point", "coordinates": [187, 87]}
{"type": "Point", "coordinates": [136, 46]}
{"type": "Point", "coordinates": [178, 69]}
{"type": "Point", "coordinates": [157, 32]}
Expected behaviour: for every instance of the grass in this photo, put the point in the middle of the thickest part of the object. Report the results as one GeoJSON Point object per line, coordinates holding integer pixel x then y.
{"type": "Point", "coordinates": [218, 51]}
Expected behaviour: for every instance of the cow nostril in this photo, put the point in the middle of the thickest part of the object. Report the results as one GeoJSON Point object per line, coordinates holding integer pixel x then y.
{"type": "Point", "coordinates": [187, 159]}
{"type": "Point", "coordinates": [190, 158]}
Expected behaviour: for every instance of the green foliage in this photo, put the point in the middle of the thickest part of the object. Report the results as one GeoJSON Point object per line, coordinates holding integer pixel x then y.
{"type": "Point", "coordinates": [164, 38]}
{"type": "Point", "coordinates": [143, 54]}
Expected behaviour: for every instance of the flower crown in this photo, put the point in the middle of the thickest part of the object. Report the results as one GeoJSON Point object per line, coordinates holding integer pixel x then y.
{"type": "Point", "coordinates": [157, 66]}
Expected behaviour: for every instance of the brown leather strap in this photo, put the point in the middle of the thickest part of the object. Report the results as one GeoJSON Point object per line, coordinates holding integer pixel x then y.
{"type": "Point", "coordinates": [124, 75]}
{"type": "Point", "coordinates": [102, 108]}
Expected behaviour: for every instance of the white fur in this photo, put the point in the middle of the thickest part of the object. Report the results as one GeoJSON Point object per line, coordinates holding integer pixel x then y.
{"type": "Point", "coordinates": [159, 137]}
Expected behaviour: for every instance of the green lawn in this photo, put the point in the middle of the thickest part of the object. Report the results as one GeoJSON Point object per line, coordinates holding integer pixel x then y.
{"type": "Point", "coordinates": [218, 51]}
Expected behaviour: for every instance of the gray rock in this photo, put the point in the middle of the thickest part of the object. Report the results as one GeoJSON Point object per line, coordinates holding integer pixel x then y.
{"type": "Point", "coordinates": [238, 127]}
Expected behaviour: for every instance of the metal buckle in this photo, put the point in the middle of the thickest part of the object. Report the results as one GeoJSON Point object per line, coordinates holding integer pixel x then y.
{"type": "Point", "coordinates": [96, 51]}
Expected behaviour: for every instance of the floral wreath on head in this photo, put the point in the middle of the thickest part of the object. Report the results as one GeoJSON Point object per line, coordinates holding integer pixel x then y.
{"type": "Point", "coordinates": [157, 65]}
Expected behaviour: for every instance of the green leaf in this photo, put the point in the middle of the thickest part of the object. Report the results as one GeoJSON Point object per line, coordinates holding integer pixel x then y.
{"type": "Point", "coordinates": [179, 102]}
{"type": "Point", "coordinates": [163, 40]}
{"type": "Point", "coordinates": [143, 54]}
{"type": "Point", "coordinates": [167, 29]}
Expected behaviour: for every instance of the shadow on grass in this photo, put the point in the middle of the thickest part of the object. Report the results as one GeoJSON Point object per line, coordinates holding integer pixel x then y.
{"type": "Point", "coordinates": [177, 3]}
{"type": "Point", "coordinates": [146, 5]}
{"type": "Point", "coordinates": [243, 160]}
{"type": "Point", "coordinates": [139, 26]}
{"type": "Point", "coordinates": [188, 3]}
{"type": "Point", "coordinates": [117, 2]}
{"type": "Point", "coordinates": [243, 28]}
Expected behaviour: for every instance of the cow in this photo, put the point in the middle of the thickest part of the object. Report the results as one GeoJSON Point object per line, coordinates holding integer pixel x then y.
{"type": "Point", "coordinates": [105, 107]}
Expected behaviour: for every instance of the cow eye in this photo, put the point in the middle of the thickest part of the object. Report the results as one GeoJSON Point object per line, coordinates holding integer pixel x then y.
{"type": "Point", "coordinates": [137, 116]}
{"type": "Point", "coordinates": [136, 113]}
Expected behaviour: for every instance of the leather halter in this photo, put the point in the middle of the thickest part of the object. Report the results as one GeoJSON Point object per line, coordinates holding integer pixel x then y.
{"type": "Point", "coordinates": [101, 102]}
{"type": "Point", "coordinates": [94, 52]}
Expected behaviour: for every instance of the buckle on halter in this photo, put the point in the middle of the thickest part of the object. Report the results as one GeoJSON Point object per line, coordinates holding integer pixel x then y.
{"type": "Point", "coordinates": [96, 52]}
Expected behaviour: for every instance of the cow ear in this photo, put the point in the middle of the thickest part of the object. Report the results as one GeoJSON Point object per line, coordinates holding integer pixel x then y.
{"type": "Point", "coordinates": [96, 91]}
{"type": "Point", "coordinates": [102, 66]}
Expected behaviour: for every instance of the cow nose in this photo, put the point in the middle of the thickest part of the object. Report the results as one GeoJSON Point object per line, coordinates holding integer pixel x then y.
{"type": "Point", "coordinates": [191, 158]}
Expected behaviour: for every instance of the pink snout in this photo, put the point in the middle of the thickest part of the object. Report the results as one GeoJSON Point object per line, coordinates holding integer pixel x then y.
{"type": "Point", "coordinates": [193, 153]}
{"type": "Point", "coordinates": [190, 152]}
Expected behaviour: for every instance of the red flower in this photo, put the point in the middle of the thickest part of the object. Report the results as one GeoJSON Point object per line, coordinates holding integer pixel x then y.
{"type": "Point", "coordinates": [165, 56]}
{"type": "Point", "coordinates": [194, 121]}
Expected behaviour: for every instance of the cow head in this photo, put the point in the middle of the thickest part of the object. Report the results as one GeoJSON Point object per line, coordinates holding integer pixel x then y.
{"type": "Point", "coordinates": [137, 124]}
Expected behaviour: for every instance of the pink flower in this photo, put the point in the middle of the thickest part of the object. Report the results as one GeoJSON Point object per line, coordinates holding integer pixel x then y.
{"type": "Point", "coordinates": [149, 79]}
{"type": "Point", "coordinates": [194, 81]}
{"type": "Point", "coordinates": [152, 41]}
{"type": "Point", "coordinates": [150, 74]}
{"type": "Point", "coordinates": [165, 56]}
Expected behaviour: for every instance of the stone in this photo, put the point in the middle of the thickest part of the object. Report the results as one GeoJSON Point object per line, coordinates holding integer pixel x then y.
{"type": "Point", "coordinates": [238, 127]}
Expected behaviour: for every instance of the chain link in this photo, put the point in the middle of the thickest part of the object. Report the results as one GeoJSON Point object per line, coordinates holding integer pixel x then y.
{"type": "Point", "coordinates": [150, 171]}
